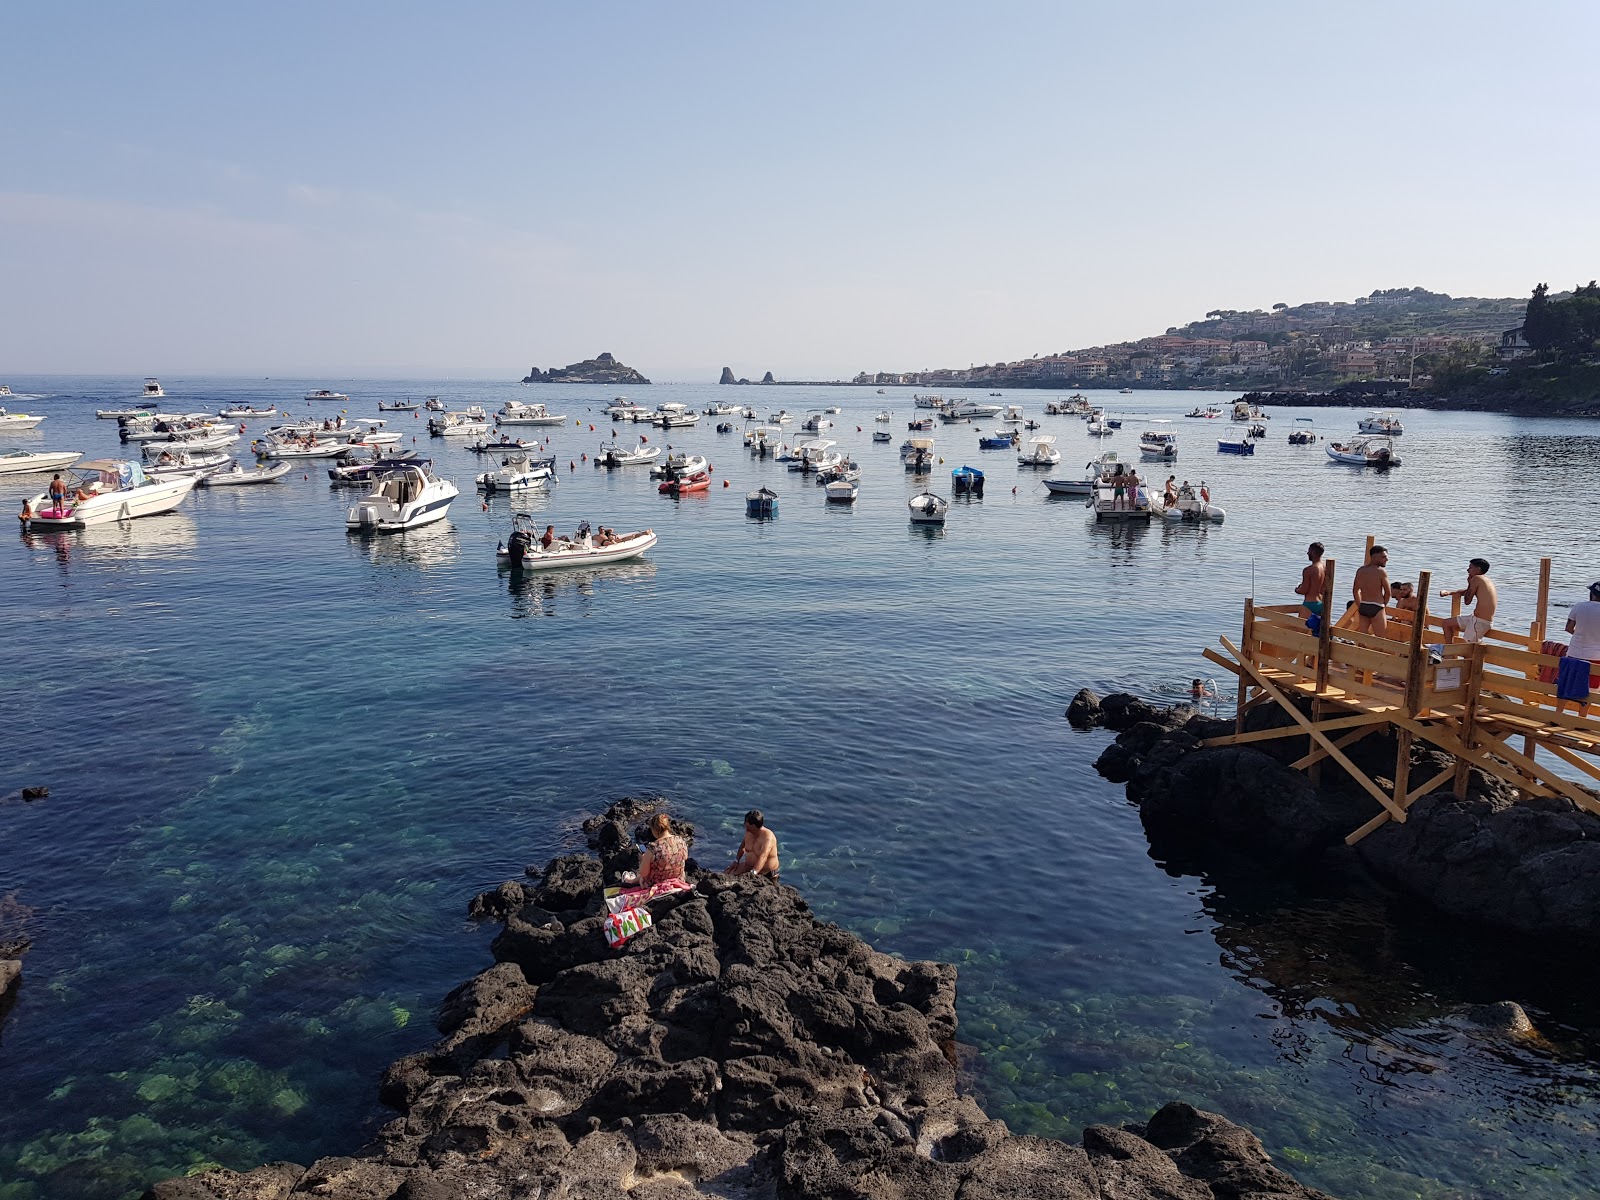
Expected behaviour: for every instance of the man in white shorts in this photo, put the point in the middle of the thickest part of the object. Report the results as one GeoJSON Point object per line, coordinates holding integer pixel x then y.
{"type": "Point", "coordinates": [1481, 594]}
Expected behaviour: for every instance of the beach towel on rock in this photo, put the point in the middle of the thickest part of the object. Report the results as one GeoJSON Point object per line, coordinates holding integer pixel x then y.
{"type": "Point", "coordinates": [623, 925]}
{"type": "Point", "coordinates": [622, 899]}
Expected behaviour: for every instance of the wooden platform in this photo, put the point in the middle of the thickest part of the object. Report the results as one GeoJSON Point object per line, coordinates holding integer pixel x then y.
{"type": "Point", "coordinates": [1471, 700]}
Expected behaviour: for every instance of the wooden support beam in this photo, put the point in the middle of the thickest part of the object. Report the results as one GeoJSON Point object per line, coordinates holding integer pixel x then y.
{"type": "Point", "coordinates": [1325, 627]}
{"type": "Point", "coordinates": [1411, 798]}
{"type": "Point", "coordinates": [1402, 764]}
{"type": "Point", "coordinates": [1314, 759]}
{"type": "Point", "coordinates": [1536, 635]}
{"type": "Point", "coordinates": [1572, 791]}
{"type": "Point", "coordinates": [1283, 731]}
{"type": "Point", "coordinates": [1338, 756]}
{"type": "Point", "coordinates": [1416, 667]}
{"type": "Point", "coordinates": [1469, 716]}
{"type": "Point", "coordinates": [1242, 652]}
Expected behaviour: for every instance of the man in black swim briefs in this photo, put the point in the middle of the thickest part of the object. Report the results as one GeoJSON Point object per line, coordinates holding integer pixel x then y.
{"type": "Point", "coordinates": [1371, 592]}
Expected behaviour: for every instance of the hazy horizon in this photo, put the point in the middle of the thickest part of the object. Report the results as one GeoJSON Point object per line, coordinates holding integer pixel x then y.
{"type": "Point", "coordinates": [342, 191]}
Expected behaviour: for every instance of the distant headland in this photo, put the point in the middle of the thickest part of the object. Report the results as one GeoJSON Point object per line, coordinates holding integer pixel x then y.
{"type": "Point", "coordinates": [600, 369]}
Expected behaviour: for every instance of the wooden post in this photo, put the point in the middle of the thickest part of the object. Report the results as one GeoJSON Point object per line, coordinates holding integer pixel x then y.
{"type": "Point", "coordinates": [1416, 664]}
{"type": "Point", "coordinates": [1246, 650]}
{"type": "Point", "coordinates": [1325, 633]}
{"type": "Point", "coordinates": [1536, 634]}
{"type": "Point", "coordinates": [1314, 771]}
{"type": "Point", "coordinates": [1469, 716]}
{"type": "Point", "coordinates": [1402, 766]}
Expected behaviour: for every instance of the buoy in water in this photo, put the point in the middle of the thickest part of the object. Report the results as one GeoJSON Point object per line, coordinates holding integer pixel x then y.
{"type": "Point", "coordinates": [724, 483]}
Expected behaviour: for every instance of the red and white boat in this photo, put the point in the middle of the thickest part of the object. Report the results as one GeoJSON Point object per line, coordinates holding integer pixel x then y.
{"type": "Point", "coordinates": [700, 481]}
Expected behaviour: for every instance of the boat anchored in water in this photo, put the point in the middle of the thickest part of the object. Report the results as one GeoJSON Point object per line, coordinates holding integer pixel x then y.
{"type": "Point", "coordinates": [841, 491]}
{"type": "Point", "coordinates": [761, 504]}
{"type": "Point", "coordinates": [1386, 422]}
{"type": "Point", "coordinates": [106, 490]}
{"type": "Point", "coordinates": [1186, 505]}
{"type": "Point", "coordinates": [917, 455]}
{"type": "Point", "coordinates": [514, 413]}
{"type": "Point", "coordinates": [326, 394]}
{"type": "Point", "coordinates": [237, 476]}
{"type": "Point", "coordinates": [243, 412]}
{"type": "Point", "coordinates": [1304, 432]}
{"type": "Point", "coordinates": [468, 422]}
{"type": "Point", "coordinates": [1235, 441]}
{"type": "Point", "coordinates": [616, 454]}
{"type": "Point", "coordinates": [1041, 452]}
{"type": "Point", "coordinates": [519, 473]}
{"type": "Point", "coordinates": [26, 462]}
{"type": "Point", "coordinates": [1370, 450]}
{"type": "Point", "coordinates": [524, 550]}
{"type": "Point", "coordinates": [1159, 444]}
{"type": "Point", "coordinates": [928, 509]}
{"type": "Point", "coordinates": [966, 481]}
{"type": "Point", "coordinates": [405, 498]}
{"type": "Point", "coordinates": [152, 389]}
{"type": "Point", "coordinates": [11, 422]}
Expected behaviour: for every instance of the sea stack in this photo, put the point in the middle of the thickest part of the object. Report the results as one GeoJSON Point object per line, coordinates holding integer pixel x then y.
{"type": "Point", "coordinates": [727, 376]}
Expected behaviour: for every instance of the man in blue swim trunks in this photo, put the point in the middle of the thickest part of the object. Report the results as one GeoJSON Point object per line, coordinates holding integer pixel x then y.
{"type": "Point", "coordinates": [1312, 582]}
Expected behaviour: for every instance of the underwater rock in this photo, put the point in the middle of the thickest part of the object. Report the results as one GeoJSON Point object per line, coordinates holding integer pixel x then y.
{"type": "Point", "coordinates": [1504, 1016]}
{"type": "Point", "coordinates": [738, 1046]}
{"type": "Point", "coordinates": [1084, 711]}
{"type": "Point", "coordinates": [10, 975]}
{"type": "Point", "coordinates": [35, 793]}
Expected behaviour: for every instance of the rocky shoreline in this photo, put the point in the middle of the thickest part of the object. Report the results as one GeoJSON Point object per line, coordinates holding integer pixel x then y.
{"type": "Point", "coordinates": [1531, 866]}
{"type": "Point", "coordinates": [738, 1047]}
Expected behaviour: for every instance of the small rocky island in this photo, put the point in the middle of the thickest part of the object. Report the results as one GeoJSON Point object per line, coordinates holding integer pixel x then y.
{"type": "Point", "coordinates": [727, 377]}
{"type": "Point", "coordinates": [602, 368]}
{"type": "Point", "coordinates": [738, 1048]}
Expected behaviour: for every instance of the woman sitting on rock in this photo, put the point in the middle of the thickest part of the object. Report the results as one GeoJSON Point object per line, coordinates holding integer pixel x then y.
{"type": "Point", "coordinates": [664, 860]}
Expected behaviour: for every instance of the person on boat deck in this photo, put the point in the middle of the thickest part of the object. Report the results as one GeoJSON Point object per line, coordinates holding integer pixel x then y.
{"type": "Point", "coordinates": [758, 851]}
{"type": "Point", "coordinates": [57, 491]}
{"type": "Point", "coordinates": [1133, 487]}
{"type": "Point", "coordinates": [1312, 581]}
{"type": "Point", "coordinates": [1371, 591]}
{"type": "Point", "coordinates": [80, 495]}
{"type": "Point", "coordinates": [1205, 492]}
{"type": "Point", "coordinates": [1119, 485]}
{"type": "Point", "coordinates": [1170, 492]}
{"type": "Point", "coordinates": [27, 511]}
{"type": "Point", "coordinates": [1480, 593]}
{"type": "Point", "coordinates": [1186, 492]}
{"type": "Point", "coordinates": [548, 539]}
{"type": "Point", "coordinates": [665, 858]}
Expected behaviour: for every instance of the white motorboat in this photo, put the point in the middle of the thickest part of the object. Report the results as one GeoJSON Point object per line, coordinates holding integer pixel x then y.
{"type": "Point", "coordinates": [183, 461]}
{"type": "Point", "coordinates": [1386, 422]}
{"type": "Point", "coordinates": [518, 473]}
{"type": "Point", "coordinates": [1186, 506]}
{"type": "Point", "coordinates": [325, 394]}
{"type": "Point", "coordinates": [844, 469]}
{"type": "Point", "coordinates": [359, 474]}
{"type": "Point", "coordinates": [468, 422]}
{"type": "Point", "coordinates": [514, 413]}
{"type": "Point", "coordinates": [781, 417]}
{"type": "Point", "coordinates": [26, 462]}
{"type": "Point", "coordinates": [244, 412]}
{"type": "Point", "coordinates": [117, 414]}
{"type": "Point", "coordinates": [814, 455]}
{"type": "Point", "coordinates": [884, 416]}
{"type": "Point", "coordinates": [917, 455]}
{"type": "Point", "coordinates": [1012, 414]}
{"type": "Point", "coordinates": [106, 490]}
{"type": "Point", "coordinates": [522, 551]}
{"type": "Point", "coordinates": [1041, 452]}
{"type": "Point", "coordinates": [1304, 432]}
{"type": "Point", "coordinates": [834, 410]}
{"type": "Point", "coordinates": [5, 389]}
{"type": "Point", "coordinates": [405, 498]}
{"type": "Point", "coordinates": [842, 491]}
{"type": "Point", "coordinates": [722, 410]}
{"type": "Point", "coordinates": [1159, 444]}
{"type": "Point", "coordinates": [1095, 470]}
{"type": "Point", "coordinates": [11, 422]}
{"type": "Point", "coordinates": [237, 476]}
{"type": "Point", "coordinates": [673, 415]}
{"type": "Point", "coordinates": [1236, 441]}
{"type": "Point", "coordinates": [1099, 423]}
{"type": "Point", "coordinates": [928, 401]}
{"type": "Point", "coordinates": [152, 389]}
{"type": "Point", "coordinates": [399, 406]}
{"type": "Point", "coordinates": [195, 441]}
{"type": "Point", "coordinates": [1209, 412]}
{"type": "Point", "coordinates": [433, 404]}
{"type": "Point", "coordinates": [968, 410]}
{"type": "Point", "coordinates": [1369, 450]}
{"type": "Point", "coordinates": [1113, 502]}
{"type": "Point", "coordinates": [882, 435]}
{"type": "Point", "coordinates": [816, 422]}
{"type": "Point", "coordinates": [617, 455]}
{"type": "Point", "coordinates": [928, 509]}
{"type": "Point", "coordinates": [681, 463]}
{"type": "Point", "coordinates": [307, 447]}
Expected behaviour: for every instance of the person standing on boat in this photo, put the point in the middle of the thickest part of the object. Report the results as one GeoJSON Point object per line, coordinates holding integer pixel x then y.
{"type": "Point", "coordinates": [58, 492]}
{"type": "Point", "coordinates": [1481, 594]}
{"type": "Point", "coordinates": [1371, 592]}
{"type": "Point", "coordinates": [758, 852]}
{"type": "Point", "coordinates": [1170, 494]}
{"type": "Point", "coordinates": [1313, 581]}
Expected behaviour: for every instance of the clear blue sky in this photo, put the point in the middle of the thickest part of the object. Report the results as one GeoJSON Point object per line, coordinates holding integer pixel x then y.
{"type": "Point", "coordinates": [813, 189]}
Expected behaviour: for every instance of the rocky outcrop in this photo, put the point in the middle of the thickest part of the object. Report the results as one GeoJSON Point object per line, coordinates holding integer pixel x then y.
{"type": "Point", "coordinates": [767, 378]}
{"type": "Point", "coordinates": [737, 1048]}
{"type": "Point", "coordinates": [1527, 865]}
{"type": "Point", "coordinates": [600, 369]}
{"type": "Point", "coordinates": [727, 376]}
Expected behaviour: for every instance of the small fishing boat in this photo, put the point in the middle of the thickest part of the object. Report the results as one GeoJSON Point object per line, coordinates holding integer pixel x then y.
{"type": "Point", "coordinates": [882, 436]}
{"type": "Point", "coordinates": [110, 490]}
{"type": "Point", "coordinates": [519, 473]}
{"type": "Point", "coordinates": [1041, 452]}
{"type": "Point", "coordinates": [680, 463]}
{"type": "Point", "coordinates": [405, 498]}
{"type": "Point", "coordinates": [1011, 414]}
{"type": "Point", "coordinates": [1004, 440]}
{"type": "Point", "coordinates": [966, 481]}
{"type": "Point", "coordinates": [917, 455]}
{"type": "Point", "coordinates": [237, 476]}
{"type": "Point", "coordinates": [326, 394]}
{"type": "Point", "coordinates": [1235, 441]}
{"type": "Point", "coordinates": [781, 417]}
{"type": "Point", "coordinates": [1304, 432]}
{"type": "Point", "coordinates": [26, 462]}
{"type": "Point", "coordinates": [833, 409]}
{"type": "Point", "coordinates": [399, 406]}
{"type": "Point", "coordinates": [922, 425]}
{"type": "Point", "coordinates": [523, 552]}
{"type": "Point", "coordinates": [928, 509]}
{"type": "Point", "coordinates": [1386, 422]}
{"type": "Point", "coordinates": [1031, 424]}
{"type": "Point", "coordinates": [1371, 450]}
{"type": "Point", "coordinates": [724, 426]}
{"type": "Point", "coordinates": [761, 504]}
{"type": "Point", "coordinates": [816, 422]}
{"type": "Point", "coordinates": [844, 469]}
{"type": "Point", "coordinates": [1209, 413]}
{"type": "Point", "coordinates": [514, 413]}
{"type": "Point", "coordinates": [617, 455]}
{"type": "Point", "coordinates": [1125, 391]}
{"type": "Point", "coordinates": [1256, 430]}
{"type": "Point", "coordinates": [687, 484]}
{"type": "Point", "coordinates": [153, 389]}
{"type": "Point", "coordinates": [1094, 471]}
{"type": "Point", "coordinates": [11, 422]}
{"type": "Point", "coordinates": [841, 491]}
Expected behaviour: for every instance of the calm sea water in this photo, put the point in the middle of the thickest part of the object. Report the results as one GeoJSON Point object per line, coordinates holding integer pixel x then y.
{"type": "Point", "coordinates": [282, 758]}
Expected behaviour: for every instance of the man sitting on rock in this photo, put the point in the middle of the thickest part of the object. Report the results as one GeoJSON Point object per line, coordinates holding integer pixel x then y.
{"type": "Point", "coordinates": [758, 852]}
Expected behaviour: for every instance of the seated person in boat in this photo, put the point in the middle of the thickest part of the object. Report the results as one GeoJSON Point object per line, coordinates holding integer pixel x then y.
{"type": "Point", "coordinates": [758, 852]}
{"type": "Point", "coordinates": [548, 538]}
{"type": "Point", "coordinates": [665, 858]}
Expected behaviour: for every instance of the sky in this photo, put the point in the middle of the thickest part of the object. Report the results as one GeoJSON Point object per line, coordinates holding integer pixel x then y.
{"type": "Point", "coordinates": [816, 189]}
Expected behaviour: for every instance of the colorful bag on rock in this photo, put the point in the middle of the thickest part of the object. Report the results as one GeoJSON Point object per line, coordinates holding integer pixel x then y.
{"type": "Point", "coordinates": [620, 926]}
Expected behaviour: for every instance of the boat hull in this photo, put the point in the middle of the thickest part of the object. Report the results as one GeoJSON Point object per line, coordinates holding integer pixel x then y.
{"type": "Point", "coordinates": [577, 556]}
{"type": "Point", "coordinates": [110, 507]}
{"type": "Point", "coordinates": [34, 463]}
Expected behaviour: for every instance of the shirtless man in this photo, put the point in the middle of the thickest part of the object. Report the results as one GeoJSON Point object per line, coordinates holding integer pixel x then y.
{"type": "Point", "coordinates": [1312, 581]}
{"type": "Point", "coordinates": [758, 852]}
{"type": "Point", "coordinates": [1480, 593]}
{"type": "Point", "coordinates": [1371, 592]}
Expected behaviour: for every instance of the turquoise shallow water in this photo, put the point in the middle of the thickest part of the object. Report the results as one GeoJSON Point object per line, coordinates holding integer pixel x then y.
{"type": "Point", "coordinates": [282, 758]}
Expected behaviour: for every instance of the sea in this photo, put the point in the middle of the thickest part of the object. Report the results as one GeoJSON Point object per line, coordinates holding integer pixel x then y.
{"type": "Point", "coordinates": [282, 758]}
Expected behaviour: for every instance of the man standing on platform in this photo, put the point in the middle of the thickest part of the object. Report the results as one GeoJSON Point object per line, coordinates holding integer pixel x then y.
{"type": "Point", "coordinates": [1313, 580]}
{"type": "Point", "coordinates": [1371, 592]}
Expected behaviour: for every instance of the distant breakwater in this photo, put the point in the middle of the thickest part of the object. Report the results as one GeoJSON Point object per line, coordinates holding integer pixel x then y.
{"type": "Point", "coordinates": [738, 1043]}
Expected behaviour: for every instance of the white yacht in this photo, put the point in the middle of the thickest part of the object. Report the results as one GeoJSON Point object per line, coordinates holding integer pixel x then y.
{"type": "Point", "coordinates": [11, 422]}
{"type": "Point", "coordinates": [518, 473]}
{"type": "Point", "coordinates": [1041, 452]}
{"type": "Point", "coordinates": [968, 410]}
{"type": "Point", "coordinates": [110, 490]}
{"type": "Point", "coordinates": [405, 498]}
{"type": "Point", "coordinates": [514, 413]}
{"type": "Point", "coordinates": [179, 460]}
{"type": "Point", "coordinates": [816, 422]}
{"type": "Point", "coordinates": [153, 389]}
{"type": "Point", "coordinates": [1386, 423]}
{"type": "Point", "coordinates": [325, 394]}
{"type": "Point", "coordinates": [26, 462]}
{"type": "Point", "coordinates": [5, 389]}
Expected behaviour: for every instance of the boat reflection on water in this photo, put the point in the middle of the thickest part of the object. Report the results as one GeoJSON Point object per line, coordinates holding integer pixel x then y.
{"type": "Point", "coordinates": [429, 547]}
{"type": "Point", "coordinates": [161, 536]}
{"type": "Point", "coordinates": [537, 593]}
{"type": "Point", "coordinates": [1121, 536]}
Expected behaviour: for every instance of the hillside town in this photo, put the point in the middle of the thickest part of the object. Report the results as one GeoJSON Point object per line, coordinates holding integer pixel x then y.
{"type": "Point", "coordinates": [1402, 334]}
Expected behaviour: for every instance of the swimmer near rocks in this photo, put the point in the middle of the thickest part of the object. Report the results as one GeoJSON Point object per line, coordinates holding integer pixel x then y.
{"type": "Point", "coordinates": [727, 1044]}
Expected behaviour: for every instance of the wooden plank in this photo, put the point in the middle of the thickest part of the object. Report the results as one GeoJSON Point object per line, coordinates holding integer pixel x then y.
{"type": "Point", "coordinates": [1588, 726]}
{"type": "Point", "coordinates": [1590, 769]}
{"type": "Point", "coordinates": [1371, 641]}
{"type": "Point", "coordinates": [1572, 791]}
{"type": "Point", "coordinates": [1278, 619]}
{"type": "Point", "coordinates": [1347, 655]}
{"type": "Point", "coordinates": [1356, 691]}
{"type": "Point", "coordinates": [1518, 660]}
{"type": "Point", "coordinates": [1283, 731]}
{"type": "Point", "coordinates": [1334, 752]}
{"type": "Point", "coordinates": [1318, 754]}
{"type": "Point", "coordinates": [1290, 666]}
{"type": "Point", "coordinates": [1469, 715]}
{"type": "Point", "coordinates": [1416, 660]}
{"type": "Point", "coordinates": [1411, 798]}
